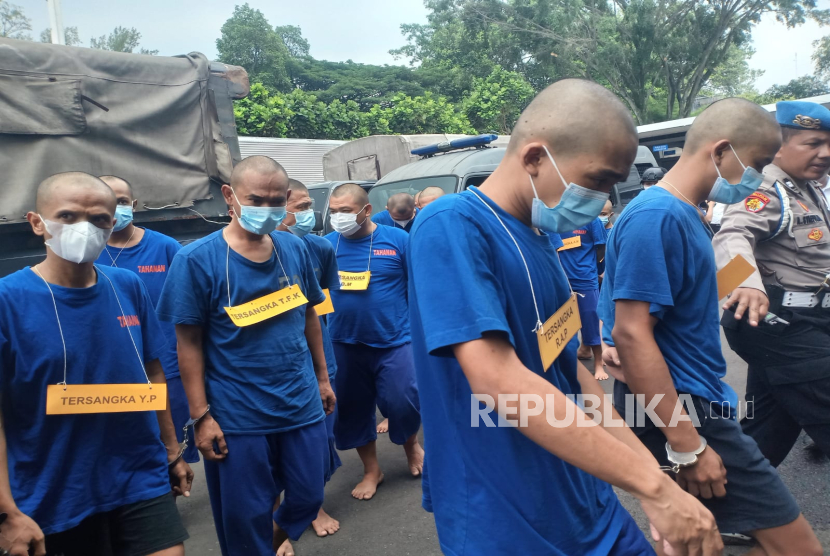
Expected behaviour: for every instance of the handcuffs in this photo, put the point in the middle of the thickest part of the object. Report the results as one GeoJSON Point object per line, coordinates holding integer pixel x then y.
{"type": "Point", "coordinates": [183, 444]}
{"type": "Point", "coordinates": [681, 460]}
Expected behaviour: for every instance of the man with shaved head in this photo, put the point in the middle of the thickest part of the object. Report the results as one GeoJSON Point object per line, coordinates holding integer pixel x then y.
{"type": "Point", "coordinates": [782, 230]}
{"type": "Point", "coordinates": [660, 302]}
{"type": "Point", "coordinates": [400, 212]}
{"type": "Point", "coordinates": [74, 466]}
{"type": "Point", "coordinates": [428, 195]}
{"type": "Point", "coordinates": [370, 332]}
{"type": "Point", "coordinates": [149, 253]}
{"type": "Point", "coordinates": [252, 363]}
{"type": "Point", "coordinates": [484, 278]}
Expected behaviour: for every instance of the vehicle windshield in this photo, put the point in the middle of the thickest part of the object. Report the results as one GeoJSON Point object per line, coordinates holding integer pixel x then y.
{"type": "Point", "coordinates": [379, 194]}
{"type": "Point", "coordinates": [320, 196]}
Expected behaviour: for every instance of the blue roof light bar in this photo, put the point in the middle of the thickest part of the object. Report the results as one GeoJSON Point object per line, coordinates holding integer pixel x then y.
{"type": "Point", "coordinates": [463, 143]}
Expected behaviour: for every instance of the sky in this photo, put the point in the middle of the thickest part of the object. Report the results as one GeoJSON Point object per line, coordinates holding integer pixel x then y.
{"type": "Point", "coordinates": [359, 30]}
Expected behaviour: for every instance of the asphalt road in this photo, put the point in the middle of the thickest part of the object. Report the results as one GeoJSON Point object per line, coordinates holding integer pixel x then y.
{"type": "Point", "coordinates": [393, 523]}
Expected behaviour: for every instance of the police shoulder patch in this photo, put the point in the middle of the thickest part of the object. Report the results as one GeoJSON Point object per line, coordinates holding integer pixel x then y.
{"type": "Point", "coordinates": [815, 234]}
{"type": "Point", "coordinates": [756, 202]}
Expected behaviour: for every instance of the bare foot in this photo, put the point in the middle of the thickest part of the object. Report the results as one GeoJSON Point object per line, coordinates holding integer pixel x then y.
{"type": "Point", "coordinates": [601, 375]}
{"type": "Point", "coordinates": [415, 456]}
{"type": "Point", "coordinates": [584, 353]}
{"type": "Point", "coordinates": [325, 525]}
{"type": "Point", "coordinates": [286, 549]}
{"type": "Point", "coordinates": [383, 427]}
{"type": "Point", "coordinates": [367, 488]}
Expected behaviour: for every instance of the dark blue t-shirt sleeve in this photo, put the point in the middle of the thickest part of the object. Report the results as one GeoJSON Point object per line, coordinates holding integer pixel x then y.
{"type": "Point", "coordinates": [311, 287]}
{"type": "Point", "coordinates": [182, 299]}
{"type": "Point", "coordinates": [598, 232]}
{"type": "Point", "coordinates": [457, 295]}
{"type": "Point", "coordinates": [647, 259]}
{"type": "Point", "coordinates": [330, 278]}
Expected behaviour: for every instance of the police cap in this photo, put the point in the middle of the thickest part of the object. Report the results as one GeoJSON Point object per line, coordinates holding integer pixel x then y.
{"type": "Point", "coordinates": [799, 114]}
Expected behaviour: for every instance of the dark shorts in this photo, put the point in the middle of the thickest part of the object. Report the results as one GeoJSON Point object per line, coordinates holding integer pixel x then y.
{"type": "Point", "coordinates": [588, 301]}
{"type": "Point", "coordinates": [136, 529]}
{"type": "Point", "coordinates": [756, 498]}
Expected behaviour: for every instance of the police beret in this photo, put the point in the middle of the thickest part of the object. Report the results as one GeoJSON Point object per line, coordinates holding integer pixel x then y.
{"type": "Point", "coordinates": [798, 114]}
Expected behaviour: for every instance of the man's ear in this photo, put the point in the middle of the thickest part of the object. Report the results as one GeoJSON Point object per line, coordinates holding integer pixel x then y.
{"type": "Point", "coordinates": [531, 157]}
{"type": "Point", "coordinates": [38, 227]}
{"type": "Point", "coordinates": [719, 150]}
{"type": "Point", "coordinates": [135, 204]}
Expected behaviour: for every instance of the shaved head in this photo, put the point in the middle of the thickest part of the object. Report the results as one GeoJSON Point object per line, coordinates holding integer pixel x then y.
{"type": "Point", "coordinates": [357, 193]}
{"type": "Point", "coordinates": [400, 202]}
{"type": "Point", "coordinates": [741, 122]}
{"type": "Point", "coordinates": [257, 167]}
{"type": "Point", "coordinates": [296, 185]}
{"type": "Point", "coordinates": [115, 180]}
{"type": "Point", "coordinates": [428, 195]}
{"type": "Point", "coordinates": [59, 186]}
{"type": "Point", "coordinates": [573, 116]}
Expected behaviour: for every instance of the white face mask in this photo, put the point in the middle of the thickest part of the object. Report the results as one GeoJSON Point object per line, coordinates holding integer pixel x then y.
{"type": "Point", "coordinates": [81, 242]}
{"type": "Point", "coordinates": [345, 223]}
{"type": "Point", "coordinates": [402, 223]}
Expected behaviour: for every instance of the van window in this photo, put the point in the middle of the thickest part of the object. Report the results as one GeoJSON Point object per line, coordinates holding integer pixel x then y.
{"type": "Point", "coordinates": [629, 188]}
{"type": "Point", "coordinates": [379, 194]}
{"type": "Point", "coordinates": [320, 196]}
{"type": "Point", "coordinates": [475, 180]}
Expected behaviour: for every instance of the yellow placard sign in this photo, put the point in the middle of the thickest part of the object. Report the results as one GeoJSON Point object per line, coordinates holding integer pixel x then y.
{"type": "Point", "coordinates": [354, 281]}
{"type": "Point", "coordinates": [75, 399]}
{"type": "Point", "coordinates": [267, 306]}
{"type": "Point", "coordinates": [326, 306]}
{"type": "Point", "coordinates": [733, 275]}
{"type": "Point", "coordinates": [558, 331]}
{"type": "Point", "coordinates": [571, 243]}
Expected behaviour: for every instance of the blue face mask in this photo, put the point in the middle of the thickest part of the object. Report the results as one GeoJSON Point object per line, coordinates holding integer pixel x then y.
{"type": "Point", "coordinates": [605, 220]}
{"type": "Point", "coordinates": [731, 193]}
{"type": "Point", "coordinates": [123, 217]}
{"type": "Point", "coordinates": [305, 223]}
{"type": "Point", "coordinates": [259, 220]}
{"type": "Point", "coordinates": [577, 207]}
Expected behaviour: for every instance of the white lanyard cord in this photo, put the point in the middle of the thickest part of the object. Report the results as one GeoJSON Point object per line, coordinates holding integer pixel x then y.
{"type": "Point", "coordinates": [123, 316]}
{"type": "Point", "coordinates": [227, 266]}
{"type": "Point", "coordinates": [527, 269]}
{"type": "Point", "coordinates": [106, 248]}
{"type": "Point", "coordinates": [371, 243]}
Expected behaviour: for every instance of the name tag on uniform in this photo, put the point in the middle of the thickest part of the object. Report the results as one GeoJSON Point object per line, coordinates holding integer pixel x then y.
{"type": "Point", "coordinates": [326, 306]}
{"type": "Point", "coordinates": [354, 281]}
{"type": "Point", "coordinates": [571, 243]}
{"type": "Point", "coordinates": [558, 331]}
{"type": "Point", "coordinates": [76, 399]}
{"type": "Point", "coordinates": [266, 307]}
{"type": "Point", "coordinates": [733, 275]}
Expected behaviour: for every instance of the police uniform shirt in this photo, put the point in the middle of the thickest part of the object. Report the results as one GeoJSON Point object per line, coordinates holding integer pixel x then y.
{"type": "Point", "coordinates": [782, 230]}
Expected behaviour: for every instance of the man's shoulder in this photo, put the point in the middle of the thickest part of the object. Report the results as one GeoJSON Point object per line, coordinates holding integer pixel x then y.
{"type": "Point", "coordinates": [16, 282]}
{"type": "Point", "coordinates": [318, 243]}
{"type": "Point", "coordinates": [158, 238]}
{"type": "Point", "coordinates": [202, 247]}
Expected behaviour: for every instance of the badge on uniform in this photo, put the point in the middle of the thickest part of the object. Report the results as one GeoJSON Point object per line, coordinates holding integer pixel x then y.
{"type": "Point", "coordinates": [560, 329]}
{"type": "Point", "coordinates": [267, 306]}
{"type": "Point", "coordinates": [326, 307]}
{"type": "Point", "coordinates": [571, 243]}
{"type": "Point", "coordinates": [815, 234]}
{"type": "Point", "coordinates": [354, 281]}
{"type": "Point", "coordinates": [756, 202]}
{"type": "Point", "coordinates": [75, 399]}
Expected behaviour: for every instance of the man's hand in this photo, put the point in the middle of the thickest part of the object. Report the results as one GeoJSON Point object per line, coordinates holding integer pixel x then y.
{"type": "Point", "coordinates": [181, 478]}
{"type": "Point", "coordinates": [744, 299]}
{"type": "Point", "coordinates": [21, 536]}
{"type": "Point", "coordinates": [611, 360]}
{"type": "Point", "coordinates": [208, 433]}
{"type": "Point", "coordinates": [327, 396]}
{"type": "Point", "coordinates": [706, 478]}
{"type": "Point", "coordinates": [681, 523]}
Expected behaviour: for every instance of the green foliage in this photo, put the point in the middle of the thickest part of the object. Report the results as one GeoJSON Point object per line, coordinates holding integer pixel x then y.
{"type": "Point", "coordinates": [821, 58]}
{"type": "Point", "coordinates": [803, 87]}
{"type": "Point", "coordinates": [495, 102]}
{"type": "Point", "coordinates": [13, 22]}
{"type": "Point", "coordinates": [248, 40]}
{"type": "Point", "coordinates": [292, 38]}
{"type": "Point", "coordinates": [71, 36]}
{"type": "Point", "coordinates": [121, 39]}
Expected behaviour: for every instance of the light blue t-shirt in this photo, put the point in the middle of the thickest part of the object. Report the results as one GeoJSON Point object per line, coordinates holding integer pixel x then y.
{"type": "Point", "coordinates": [150, 259]}
{"type": "Point", "coordinates": [259, 379]}
{"type": "Point", "coordinates": [661, 253]}
{"type": "Point", "coordinates": [493, 490]}
{"type": "Point", "coordinates": [378, 316]}
{"type": "Point", "coordinates": [64, 468]}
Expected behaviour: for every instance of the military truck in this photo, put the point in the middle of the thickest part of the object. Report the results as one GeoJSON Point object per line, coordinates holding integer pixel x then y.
{"type": "Point", "coordinates": [165, 124]}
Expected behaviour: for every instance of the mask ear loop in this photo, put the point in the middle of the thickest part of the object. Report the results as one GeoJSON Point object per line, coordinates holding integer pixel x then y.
{"type": "Point", "coordinates": [550, 156]}
{"type": "Point", "coordinates": [738, 157]}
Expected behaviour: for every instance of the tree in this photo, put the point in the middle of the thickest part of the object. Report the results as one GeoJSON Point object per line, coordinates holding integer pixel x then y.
{"type": "Point", "coordinates": [13, 22]}
{"type": "Point", "coordinates": [495, 102]}
{"type": "Point", "coordinates": [821, 58]}
{"type": "Point", "coordinates": [802, 87]}
{"type": "Point", "coordinates": [248, 40]}
{"type": "Point", "coordinates": [121, 39]}
{"type": "Point", "coordinates": [71, 36]}
{"type": "Point", "coordinates": [292, 38]}
{"type": "Point", "coordinates": [734, 77]}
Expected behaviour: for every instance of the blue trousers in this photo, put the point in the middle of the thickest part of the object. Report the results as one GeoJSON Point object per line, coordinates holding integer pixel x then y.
{"type": "Point", "coordinates": [180, 412]}
{"type": "Point", "coordinates": [366, 377]}
{"type": "Point", "coordinates": [244, 487]}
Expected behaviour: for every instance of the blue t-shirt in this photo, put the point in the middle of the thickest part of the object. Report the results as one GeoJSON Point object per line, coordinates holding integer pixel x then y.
{"type": "Point", "coordinates": [64, 468]}
{"type": "Point", "coordinates": [580, 263]}
{"type": "Point", "coordinates": [259, 379]}
{"type": "Point", "coordinates": [661, 253]}
{"type": "Point", "coordinates": [385, 219]}
{"type": "Point", "coordinates": [150, 259]}
{"type": "Point", "coordinates": [493, 490]}
{"type": "Point", "coordinates": [379, 316]}
{"type": "Point", "coordinates": [325, 269]}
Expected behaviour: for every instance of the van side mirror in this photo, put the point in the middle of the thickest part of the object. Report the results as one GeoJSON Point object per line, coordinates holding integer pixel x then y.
{"type": "Point", "coordinates": [318, 221]}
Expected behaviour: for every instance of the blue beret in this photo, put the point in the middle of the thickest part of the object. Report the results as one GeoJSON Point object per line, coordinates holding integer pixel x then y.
{"type": "Point", "coordinates": [798, 114]}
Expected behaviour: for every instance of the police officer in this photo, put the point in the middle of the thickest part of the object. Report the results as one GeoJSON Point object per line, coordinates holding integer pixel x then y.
{"type": "Point", "coordinates": [651, 176]}
{"type": "Point", "coordinates": [782, 230]}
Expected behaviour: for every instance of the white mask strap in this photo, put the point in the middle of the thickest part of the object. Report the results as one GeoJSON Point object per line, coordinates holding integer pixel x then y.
{"type": "Point", "coordinates": [738, 157]}
{"type": "Point", "coordinates": [561, 177]}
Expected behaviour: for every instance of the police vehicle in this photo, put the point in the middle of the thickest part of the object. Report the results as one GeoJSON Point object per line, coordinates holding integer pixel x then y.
{"type": "Point", "coordinates": [456, 165]}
